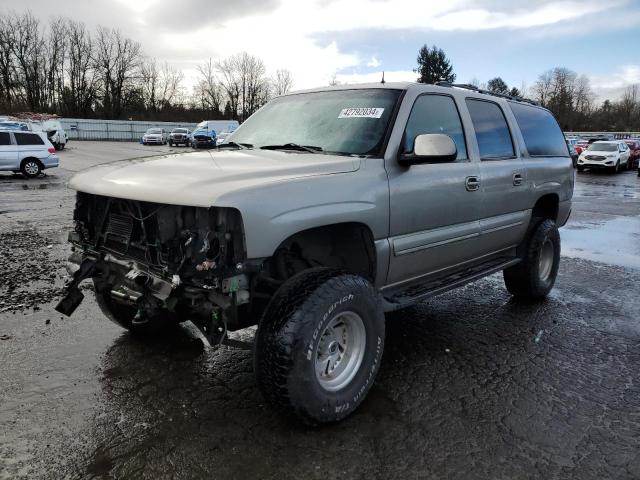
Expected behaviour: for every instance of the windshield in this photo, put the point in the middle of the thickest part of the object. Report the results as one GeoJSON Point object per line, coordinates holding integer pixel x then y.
{"type": "Point", "coordinates": [603, 147]}
{"type": "Point", "coordinates": [202, 125]}
{"type": "Point", "coordinates": [154, 130]}
{"type": "Point", "coordinates": [341, 121]}
{"type": "Point", "coordinates": [179, 130]}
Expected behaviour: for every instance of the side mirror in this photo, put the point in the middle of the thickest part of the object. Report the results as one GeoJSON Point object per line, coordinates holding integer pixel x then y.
{"type": "Point", "coordinates": [431, 147]}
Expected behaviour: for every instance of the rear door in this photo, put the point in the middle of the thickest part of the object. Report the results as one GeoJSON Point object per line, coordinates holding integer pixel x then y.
{"type": "Point", "coordinates": [30, 145]}
{"type": "Point", "coordinates": [434, 206]}
{"type": "Point", "coordinates": [8, 153]}
{"type": "Point", "coordinates": [503, 178]}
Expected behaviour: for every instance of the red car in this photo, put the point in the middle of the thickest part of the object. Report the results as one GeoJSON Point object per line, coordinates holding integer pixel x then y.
{"type": "Point", "coordinates": [634, 157]}
{"type": "Point", "coordinates": [581, 146]}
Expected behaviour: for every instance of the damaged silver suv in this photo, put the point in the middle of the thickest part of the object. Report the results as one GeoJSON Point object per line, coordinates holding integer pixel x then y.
{"type": "Point", "coordinates": [324, 210]}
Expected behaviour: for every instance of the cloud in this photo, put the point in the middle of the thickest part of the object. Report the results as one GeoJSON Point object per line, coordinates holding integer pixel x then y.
{"type": "Point", "coordinates": [613, 85]}
{"type": "Point", "coordinates": [374, 62]}
{"type": "Point", "coordinates": [286, 33]}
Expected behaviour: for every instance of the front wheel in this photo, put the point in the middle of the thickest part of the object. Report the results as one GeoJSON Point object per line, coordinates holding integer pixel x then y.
{"type": "Point", "coordinates": [319, 345]}
{"type": "Point", "coordinates": [535, 275]}
{"type": "Point", "coordinates": [580, 169]}
{"type": "Point", "coordinates": [616, 169]}
{"type": "Point", "coordinates": [125, 316]}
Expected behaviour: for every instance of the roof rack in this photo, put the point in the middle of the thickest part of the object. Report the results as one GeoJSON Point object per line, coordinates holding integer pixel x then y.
{"type": "Point", "coordinates": [473, 88]}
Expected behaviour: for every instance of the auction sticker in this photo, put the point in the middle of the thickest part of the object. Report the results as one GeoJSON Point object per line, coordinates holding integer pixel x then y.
{"type": "Point", "coordinates": [361, 112]}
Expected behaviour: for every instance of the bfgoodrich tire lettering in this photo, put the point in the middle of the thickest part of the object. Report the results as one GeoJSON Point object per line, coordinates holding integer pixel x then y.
{"type": "Point", "coordinates": [290, 333]}
{"type": "Point", "coordinates": [535, 276]}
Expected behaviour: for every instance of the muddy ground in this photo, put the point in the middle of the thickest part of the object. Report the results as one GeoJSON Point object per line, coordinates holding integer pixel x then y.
{"type": "Point", "coordinates": [472, 385]}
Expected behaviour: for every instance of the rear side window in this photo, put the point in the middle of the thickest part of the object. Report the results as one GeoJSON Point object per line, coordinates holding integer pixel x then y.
{"type": "Point", "coordinates": [541, 132]}
{"type": "Point", "coordinates": [5, 138]}
{"type": "Point", "coordinates": [492, 131]}
{"type": "Point", "coordinates": [435, 114]}
{"type": "Point", "coordinates": [28, 139]}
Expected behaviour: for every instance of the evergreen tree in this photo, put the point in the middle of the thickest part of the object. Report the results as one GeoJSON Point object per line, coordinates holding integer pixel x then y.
{"type": "Point", "coordinates": [434, 66]}
{"type": "Point", "coordinates": [497, 85]}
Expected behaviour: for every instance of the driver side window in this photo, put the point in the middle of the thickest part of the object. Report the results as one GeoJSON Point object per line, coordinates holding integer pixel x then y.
{"type": "Point", "coordinates": [434, 113]}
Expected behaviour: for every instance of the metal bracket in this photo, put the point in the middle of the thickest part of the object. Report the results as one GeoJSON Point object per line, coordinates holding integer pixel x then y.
{"type": "Point", "coordinates": [74, 296]}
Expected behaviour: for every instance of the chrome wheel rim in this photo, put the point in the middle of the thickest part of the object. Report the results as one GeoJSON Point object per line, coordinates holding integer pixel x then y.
{"type": "Point", "coordinates": [546, 260]}
{"type": "Point", "coordinates": [31, 168]}
{"type": "Point", "coordinates": [340, 351]}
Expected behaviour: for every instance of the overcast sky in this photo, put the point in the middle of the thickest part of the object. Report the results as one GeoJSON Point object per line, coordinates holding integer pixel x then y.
{"type": "Point", "coordinates": [357, 39]}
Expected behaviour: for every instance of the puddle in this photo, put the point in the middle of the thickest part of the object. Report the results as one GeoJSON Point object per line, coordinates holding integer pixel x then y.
{"type": "Point", "coordinates": [614, 242]}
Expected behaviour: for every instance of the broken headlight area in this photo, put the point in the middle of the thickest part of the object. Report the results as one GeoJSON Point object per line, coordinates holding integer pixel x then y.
{"type": "Point", "coordinates": [187, 260]}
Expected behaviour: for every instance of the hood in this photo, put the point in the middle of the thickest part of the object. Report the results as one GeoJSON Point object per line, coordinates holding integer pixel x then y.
{"type": "Point", "coordinates": [201, 131]}
{"type": "Point", "coordinates": [200, 178]}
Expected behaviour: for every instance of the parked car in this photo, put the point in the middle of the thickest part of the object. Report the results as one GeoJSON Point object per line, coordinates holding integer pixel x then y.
{"type": "Point", "coordinates": [634, 152]}
{"type": "Point", "coordinates": [55, 133]}
{"type": "Point", "coordinates": [157, 136]}
{"type": "Point", "coordinates": [610, 155]}
{"type": "Point", "coordinates": [180, 136]}
{"type": "Point", "coordinates": [26, 152]}
{"type": "Point", "coordinates": [573, 153]}
{"type": "Point", "coordinates": [204, 135]}
{"type": "Point", "coordinates": [324, 210]}
{"type": "Point", "coordinates": [581, 146]}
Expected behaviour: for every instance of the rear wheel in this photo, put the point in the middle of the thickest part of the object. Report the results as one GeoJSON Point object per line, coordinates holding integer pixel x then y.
{"type": "Point", "coordinates": [31, 167]}
{"type": "Point", "coordinates": [319, 345]}
{"type": "Point", "coordinates": [535, 275]}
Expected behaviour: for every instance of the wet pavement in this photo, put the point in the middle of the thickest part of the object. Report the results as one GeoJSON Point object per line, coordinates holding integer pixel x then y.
{"type": "Point", "coordinates": [472, 385]}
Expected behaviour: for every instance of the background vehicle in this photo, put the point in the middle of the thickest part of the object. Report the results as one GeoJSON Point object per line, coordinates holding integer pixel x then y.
{"type": "Point", "coordinates": [573, 153]}
{"type": "Point", "coordinates": [634, 152]}
{"type": "Point", "coordinates": [206, 132]}
{"type": "Point", "coordinates": [29, 121]}
{"type": "Point", "coordinates": [157, 136]}
{"type": "Point", "coordinates": [180, 136]}
{"type": "Point", "coordinates": [26, 152]}
{"type": "Point", "coordinates": [325, 209]}
{"type": "Point", "coordinates": [581, 146]}
{"type": "Point", "coordinates": [609, 155]}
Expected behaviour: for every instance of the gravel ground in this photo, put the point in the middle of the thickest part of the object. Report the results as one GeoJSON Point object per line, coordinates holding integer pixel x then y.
{"type": "Point", "coordinates": [472, 384]}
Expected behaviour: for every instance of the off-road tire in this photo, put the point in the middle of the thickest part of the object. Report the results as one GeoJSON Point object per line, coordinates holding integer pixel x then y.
{"type": "Point", "coordinates": [290, 331]}
{"type": "Point", "coordinates": [123, 315]}
{"type": "Point", "coordinates": [527, 279]}
{"type": "Point", "coordinates": [31, 167]}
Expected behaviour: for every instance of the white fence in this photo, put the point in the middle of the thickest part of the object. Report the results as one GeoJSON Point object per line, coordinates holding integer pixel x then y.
{"type": "Point", "coordinates": [124, 130]}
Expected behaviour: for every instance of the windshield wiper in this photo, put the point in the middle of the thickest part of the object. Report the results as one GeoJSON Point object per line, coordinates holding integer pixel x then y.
{"type": "Point", "coordinates": [238, 146]}
{"type": "Point", "coordinates": [293, 146]}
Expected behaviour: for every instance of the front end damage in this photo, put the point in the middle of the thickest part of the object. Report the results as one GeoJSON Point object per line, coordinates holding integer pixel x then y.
{"type": "Point", "coordinates": [186, 263]}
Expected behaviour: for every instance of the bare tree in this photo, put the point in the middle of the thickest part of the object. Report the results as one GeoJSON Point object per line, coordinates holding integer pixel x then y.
{"type": "Point", "coordinates": [117, 60]}
{"type": "Point", "coordinates": [209, 92]}
{"type": "Point", "coordinates": [82, 90]}
{"type": "Point", "coordinates": [25, 43]}
{"type": "Point", "coordinates": [282, 82]}
{"type": "Point", "coordinates": [7, 63]}
{"type": "Point", "coordinates": [231, 83]}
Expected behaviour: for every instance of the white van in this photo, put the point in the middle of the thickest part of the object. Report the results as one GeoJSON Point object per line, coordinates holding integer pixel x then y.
{"type": "Point", "coordinates": [26, 152]}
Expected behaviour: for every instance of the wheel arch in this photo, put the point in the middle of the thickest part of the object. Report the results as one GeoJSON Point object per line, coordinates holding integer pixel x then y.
{"type": "Point", "coordinates": [347, 246]}
{"type": "Point", "coordinates": [546, 207]}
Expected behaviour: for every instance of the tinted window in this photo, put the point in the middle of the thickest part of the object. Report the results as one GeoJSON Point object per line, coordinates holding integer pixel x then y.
{"type": "Point", "coordinates": [492, 132]}
{"type": "Point", "coordinates": [28, 139]}
{"type": "Point", "coordinates": [541, 132]}
{"type": "Point", "coordinates": [435, 114]}
{"type": "Point", "coordinates": [5, 138]}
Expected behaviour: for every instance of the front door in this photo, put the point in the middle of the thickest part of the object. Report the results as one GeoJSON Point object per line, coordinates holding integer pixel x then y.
{"type": "Point", "coordinates": [8, 153]}
{"type": "Point", "coordinates": [433, 207]}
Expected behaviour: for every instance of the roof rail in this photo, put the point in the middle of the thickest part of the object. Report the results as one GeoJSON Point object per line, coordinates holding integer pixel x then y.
{"type": "Point", "coordinates": [473, 88]}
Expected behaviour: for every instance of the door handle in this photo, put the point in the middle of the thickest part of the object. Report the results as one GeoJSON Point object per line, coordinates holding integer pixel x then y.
{"type": "Point", "coordinates": [517, 179]}
{"type": "Point", "coordinates": [472, 184]}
